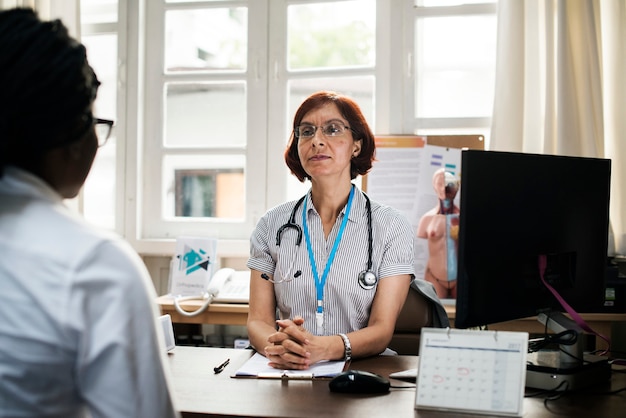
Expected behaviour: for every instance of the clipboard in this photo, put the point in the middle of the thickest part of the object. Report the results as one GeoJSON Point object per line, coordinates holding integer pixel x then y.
{"type": "Point", "coordinates": [472, 371]}
{"type": "Point", "coordinates": [256, 368]}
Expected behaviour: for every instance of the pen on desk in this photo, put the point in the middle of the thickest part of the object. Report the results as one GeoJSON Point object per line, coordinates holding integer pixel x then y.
{"type": "Point", "coordinates": [221, 367]}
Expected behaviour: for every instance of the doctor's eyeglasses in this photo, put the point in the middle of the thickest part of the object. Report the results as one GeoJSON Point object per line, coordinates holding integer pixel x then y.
{"type": "Point", "coordinates": [306, 131]}
{"type": "Point", "coordinates": [103, 130]}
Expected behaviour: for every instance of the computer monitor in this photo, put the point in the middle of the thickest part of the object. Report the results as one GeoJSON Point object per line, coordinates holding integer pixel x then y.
{"type": "Point", "coordinates": [516, 207]}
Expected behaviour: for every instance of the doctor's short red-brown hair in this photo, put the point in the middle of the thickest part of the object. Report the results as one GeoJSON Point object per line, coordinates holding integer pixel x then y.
{"type": "Point", "coordinates": [351, 111]}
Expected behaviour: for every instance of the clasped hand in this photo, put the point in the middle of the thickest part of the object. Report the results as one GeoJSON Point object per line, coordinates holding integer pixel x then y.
{"type": "Point", "coordinates": [292, 346]}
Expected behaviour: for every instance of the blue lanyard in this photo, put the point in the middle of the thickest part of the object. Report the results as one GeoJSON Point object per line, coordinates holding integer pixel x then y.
{"type": "Point", "coordinates": [320, 283]}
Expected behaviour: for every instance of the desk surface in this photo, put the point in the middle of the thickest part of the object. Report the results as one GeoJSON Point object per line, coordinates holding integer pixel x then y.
{"type": "Point", "coordinates": [240, 312]}
{"type": "Point", "coordinates": [217, 313]}
{"type": "Point", "coordinates": [237, 314]}
{"type": "Point", "coordinates": [200, 392]}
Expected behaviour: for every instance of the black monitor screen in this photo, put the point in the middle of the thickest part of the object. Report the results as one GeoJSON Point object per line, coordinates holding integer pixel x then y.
{"type": "Point", "coordinates": [516, 207]}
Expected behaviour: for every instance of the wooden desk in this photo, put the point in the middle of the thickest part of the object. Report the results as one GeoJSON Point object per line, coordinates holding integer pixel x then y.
{"type": "Point", "coordinates": [199, 392]}
{"type": "Point", "coordinates": [237, 314]}
{"type": "Point", "coordinates": [217, 313]}
{"type": "Point", "coordinates": [600, 323]}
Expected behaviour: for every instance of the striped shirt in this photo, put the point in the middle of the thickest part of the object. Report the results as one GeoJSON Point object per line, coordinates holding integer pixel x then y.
{"type": "Point", "coordinates": [346, 304]}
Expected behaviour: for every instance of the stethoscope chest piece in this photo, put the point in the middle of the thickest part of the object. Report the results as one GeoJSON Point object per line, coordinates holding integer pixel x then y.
{"type": "Point", "coordinates": [367, 279]}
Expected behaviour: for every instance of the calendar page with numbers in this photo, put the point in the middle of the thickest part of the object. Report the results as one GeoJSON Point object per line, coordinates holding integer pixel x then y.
{"type": "Point", "coordinates": [472, 371]}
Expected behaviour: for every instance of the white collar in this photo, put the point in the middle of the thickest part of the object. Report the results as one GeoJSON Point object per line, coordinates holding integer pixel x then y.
{"type": "Point", "coordinates": [16, 181]}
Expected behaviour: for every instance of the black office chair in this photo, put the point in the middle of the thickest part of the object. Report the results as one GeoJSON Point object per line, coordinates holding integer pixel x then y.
{"type": "Point", "coordinates": [415, 314]}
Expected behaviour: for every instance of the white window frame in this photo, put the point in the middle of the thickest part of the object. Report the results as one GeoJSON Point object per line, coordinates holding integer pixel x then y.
{"type": "Point", "coordinates": [413, 124]}
{"type": "Point", "coordinates": [139, 27]}
{"type": "Point", "coordinates": [164, 231]}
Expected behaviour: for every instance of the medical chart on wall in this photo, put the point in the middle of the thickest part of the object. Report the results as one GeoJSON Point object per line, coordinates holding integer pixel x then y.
{"type": "Point", "coordinates": [395, 174]}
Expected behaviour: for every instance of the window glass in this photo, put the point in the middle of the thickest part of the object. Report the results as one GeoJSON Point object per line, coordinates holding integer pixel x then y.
{"type": "Point", "coordinates": [211, 186]}
{"type": "Point", "coordinates": [205, 114]}
{"type": "Point", "coordinates": [330, 35]}
{"type": "Point", "coordinates": [208, 193]}
{"type": "Point", "coordinates": [206, 39]}
{"type": "Point", "coordinates": [100, 186]}
{"type": "Point", "coordinates": [98, 11]}
{"type": "Point", "coordinates": [455, 66]}
{"type": "Point", "coordinates": [359, 88]}
{"type": "Point", "coordinates": [192, 1]}
{"type": "Point", "coordinates": [440, 3]}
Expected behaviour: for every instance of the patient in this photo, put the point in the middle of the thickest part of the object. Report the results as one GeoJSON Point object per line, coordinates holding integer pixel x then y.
{"type": "Point", "coordinates": [78, 319]}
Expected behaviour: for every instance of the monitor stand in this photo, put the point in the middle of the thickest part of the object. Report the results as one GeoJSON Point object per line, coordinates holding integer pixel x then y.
{"type": "Point", "coordinates": [563, 370]}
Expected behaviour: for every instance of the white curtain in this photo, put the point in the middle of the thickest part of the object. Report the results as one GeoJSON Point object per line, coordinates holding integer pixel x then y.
{"type": "Point", "coordinates": [561, 86]}
{"type": "Point", "coordinates": [66, 10]}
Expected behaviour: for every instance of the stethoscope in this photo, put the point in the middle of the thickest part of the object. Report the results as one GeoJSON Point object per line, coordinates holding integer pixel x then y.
{"type": "Point", "coordinates": [367, 279]}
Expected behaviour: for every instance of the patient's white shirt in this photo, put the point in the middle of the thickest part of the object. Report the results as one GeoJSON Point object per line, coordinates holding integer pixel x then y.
{"type": "Point", "coordinates": [78, 317]}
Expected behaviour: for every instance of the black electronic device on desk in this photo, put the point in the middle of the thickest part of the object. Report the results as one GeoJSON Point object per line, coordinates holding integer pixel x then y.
{"type": "Point", "coordinates": [518, 209]}
{"type": "Point", "coordinates": [359, 381]}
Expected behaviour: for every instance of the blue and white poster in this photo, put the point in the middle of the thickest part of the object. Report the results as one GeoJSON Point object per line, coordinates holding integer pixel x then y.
{"type": "Point", "coordinates": [193, 265]}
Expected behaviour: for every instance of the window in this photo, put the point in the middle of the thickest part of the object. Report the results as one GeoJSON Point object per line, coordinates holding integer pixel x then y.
{"type": "Point", "coordinates": [330, 46]}
{"type": "Point", "coordinates": [453, 67]}
{"type": "Point", "coordinates": [208, 193]}
{"type": "Point", "coordinates": [99, 35]}
{"type": "Point", "coordinates": [204, 91]}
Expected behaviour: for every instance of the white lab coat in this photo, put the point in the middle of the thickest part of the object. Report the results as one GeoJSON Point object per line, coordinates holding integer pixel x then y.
{"type": "Point", "coordinates": [78, 319]}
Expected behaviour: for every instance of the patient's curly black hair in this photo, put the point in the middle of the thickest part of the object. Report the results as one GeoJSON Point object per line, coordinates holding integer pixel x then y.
{"type": "Point", "coordinates": [46, 87]}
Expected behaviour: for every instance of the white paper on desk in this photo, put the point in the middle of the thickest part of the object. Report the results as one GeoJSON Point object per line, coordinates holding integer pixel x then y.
{"type": "Point", "coordinates": [257, 366]}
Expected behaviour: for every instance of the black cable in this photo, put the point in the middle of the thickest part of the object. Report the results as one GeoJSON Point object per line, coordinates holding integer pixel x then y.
{"type": "Point", "coordinates": [370, 244]}
{"type": "Point", "coordinates": [568, 337]}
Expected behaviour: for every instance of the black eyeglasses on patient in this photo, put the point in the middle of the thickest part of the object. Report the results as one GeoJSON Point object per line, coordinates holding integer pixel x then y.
{"type": "Point", "coordinates": [103, 130]}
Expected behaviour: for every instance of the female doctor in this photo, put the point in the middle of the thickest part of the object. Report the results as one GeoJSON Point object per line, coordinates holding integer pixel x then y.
{"type": "Point", "coordinates": [335, 266]}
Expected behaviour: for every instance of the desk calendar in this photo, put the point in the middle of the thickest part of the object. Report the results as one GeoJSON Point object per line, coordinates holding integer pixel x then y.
{"type": "Point", "coordinates": [472, 371]}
